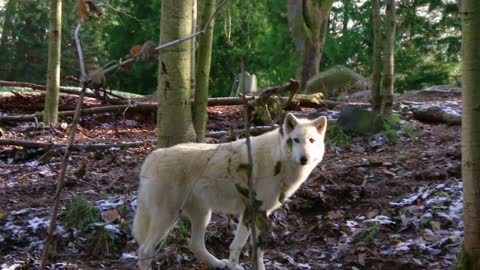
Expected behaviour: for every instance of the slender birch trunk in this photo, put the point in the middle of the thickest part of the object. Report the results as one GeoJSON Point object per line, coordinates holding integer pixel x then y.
{"type": "Point", "coordinates": [203, 72]}
{"type": "Point", "coordinates": [174, 116]}
{"type": "Point", "coordinates": [50, 115]}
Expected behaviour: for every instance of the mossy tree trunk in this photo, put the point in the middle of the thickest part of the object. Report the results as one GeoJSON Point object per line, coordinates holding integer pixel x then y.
{"type": "Point", "coordinates": [174, 116]}
{"type": "Point", "coordinates": [470, 12]}
{"type": "Point", "coordinates": [308, 23]}
{"type": "Point", "coordinates": [50, 115]}
{"type": "Point", "coordinates": [203, 71]}
{"type": "Point", "coordinates": [377, 56]}
{"type": "Point", "coordinates": [388, 59]}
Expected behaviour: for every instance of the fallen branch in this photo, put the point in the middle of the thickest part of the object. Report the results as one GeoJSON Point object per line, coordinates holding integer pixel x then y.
{"type": "Point", "coordinates": [236, 132]}
{"type": "Point", "coordinates": [143, 107]}
{"type": "Point", "coordinates": [43, 88]}
{"type": "Point", "coordinates": [86, 146]}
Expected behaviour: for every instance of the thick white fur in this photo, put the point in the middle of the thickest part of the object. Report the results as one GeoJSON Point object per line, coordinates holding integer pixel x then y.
{"type": "Point", "coordinates": [194, 179]}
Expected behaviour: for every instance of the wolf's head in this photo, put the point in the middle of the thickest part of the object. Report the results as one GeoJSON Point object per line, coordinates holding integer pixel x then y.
{"type": "Point", "coordinates": [303, 140]}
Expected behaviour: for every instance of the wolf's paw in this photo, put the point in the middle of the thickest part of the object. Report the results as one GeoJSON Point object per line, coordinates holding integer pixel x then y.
{"type": "Point", "coordinates": [234, 266]}
{"type": "Point", "coordinates": [221, 264]}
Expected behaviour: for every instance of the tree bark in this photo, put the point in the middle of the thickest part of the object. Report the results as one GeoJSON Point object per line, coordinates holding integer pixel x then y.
{"type": "Point", "coordinates": [388, 60]}
{"type": "Point", "coordinates": [377, 56]}
{"type": "Point", "coordinates": [54, 57]}
{"type": "Point", "coordinates": [203, 72]}
{"type": "Point", "coordinates": [308, 23]}
{"type": "Point", "coordinates": [193, 48]}
{"type": "Point", "coordinates": [8, 25]}
{"type": "Point", "coordinates": [470, 12]}
{"type": "Point", "coordinates": [174, 116]}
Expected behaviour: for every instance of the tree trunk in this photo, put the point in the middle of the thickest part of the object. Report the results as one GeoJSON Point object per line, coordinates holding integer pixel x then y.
{"type": "Point", "coordinates": [174, 116]}
{"type": "Point", "coordinates": [5, 53]}
{"type": "Point", "coordinates": [388, 60]}
{"type": "Point", "coordinates": [377, 56]}
{"type": "Point", "coordinates": [193, 49]}
{"type": "Point", "coordinates": [308, 23]}
{"type": "Point", "coordinates": [53, 73]}
{"type": "Point", "coordinates": [470, 12]}
{"type": "Point", "coordinates": [203, 73]}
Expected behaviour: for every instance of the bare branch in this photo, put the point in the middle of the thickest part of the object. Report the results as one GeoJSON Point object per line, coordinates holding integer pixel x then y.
{"type": "Point", "coordinates": [171, 43]}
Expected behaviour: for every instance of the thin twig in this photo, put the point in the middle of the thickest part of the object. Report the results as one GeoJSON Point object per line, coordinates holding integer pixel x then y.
{"type": "Point", "coordinates": [171, 43]}
{"type": "Point", "coordinates": [251, 170]}
{"type": "Point", "coordinates": [63, 170]}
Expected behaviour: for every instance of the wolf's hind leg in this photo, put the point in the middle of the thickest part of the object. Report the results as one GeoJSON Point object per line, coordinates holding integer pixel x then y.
{"type": "Point", "coordinates": [199, 219]}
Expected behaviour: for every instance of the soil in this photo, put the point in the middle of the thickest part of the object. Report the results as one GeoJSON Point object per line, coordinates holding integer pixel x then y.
{"type": "Point", "coordinates": [371, 204]}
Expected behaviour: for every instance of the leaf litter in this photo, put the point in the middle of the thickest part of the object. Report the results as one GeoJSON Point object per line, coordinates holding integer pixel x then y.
{"type": "Point", "coordinates": [367, 206]}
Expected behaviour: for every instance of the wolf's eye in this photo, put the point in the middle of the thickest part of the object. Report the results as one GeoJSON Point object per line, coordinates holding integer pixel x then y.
{"type": "Point", "coordinates": [296, 140]}
{"type": "Point", "coordinates": [312, 140]}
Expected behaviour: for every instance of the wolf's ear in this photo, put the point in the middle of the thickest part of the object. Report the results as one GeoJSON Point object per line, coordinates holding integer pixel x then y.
{"type": "Point", "coordinates": [289, 123]}
{"type": "Point", "coordinates": [321, 124]}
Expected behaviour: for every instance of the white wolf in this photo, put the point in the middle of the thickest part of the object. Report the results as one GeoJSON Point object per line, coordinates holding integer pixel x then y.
{"type": "Point", "coordinates": [194, 179]}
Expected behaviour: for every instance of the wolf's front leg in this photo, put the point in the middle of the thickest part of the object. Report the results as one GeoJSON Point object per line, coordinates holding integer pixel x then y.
{"type": "Point", "coordinates": [199, 219]}
{"type": "Point", "coordinates": [241, 236]}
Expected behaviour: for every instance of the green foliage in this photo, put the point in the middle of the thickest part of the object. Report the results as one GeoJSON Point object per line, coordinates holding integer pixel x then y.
{"type": "Point", "coordinates": [182, 230]}
{"type": "Point", "coordinates": [427, 42]}
{"type": "Point", "coordinates": [102, 241]}
{"type": "Point", "coordinates": [371, 234]}
{"type": "Point", "coordinates": [337, 136]}
{"type": "Point", "coordinates": [409, 132]}
{"type": "Point", "coordinates": [80, 214]}
{"type": "Point", "coordinates": [392, 124]}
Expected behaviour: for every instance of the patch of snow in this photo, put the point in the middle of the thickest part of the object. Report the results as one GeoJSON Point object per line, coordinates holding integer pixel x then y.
{"type": "Point", "coordinates": [10, 267]}
{"type": "Point", "coordinates": [134, 203]}
{"type": "Point", "coordinates": [128, 256]}
{"type": "Point", "coordinates": [20, 212]}
{"type": "Point", "coordinates": [37, 222]}
{"type": "Point", "coordinates": [352, 225]}
{"type": "Point", "coordinates": [12, 227]}
{"type": "Point", "coordinates": [402, 247]}
{"type": "Point", "coordinates": [381, 219]}
{"type": "Point", "coordinates": [112, 228]}
{"type": "Point", "coordinates": [110, 204]}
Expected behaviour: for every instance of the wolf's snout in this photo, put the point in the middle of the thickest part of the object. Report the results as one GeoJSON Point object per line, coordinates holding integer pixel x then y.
{"type": "Point", "coordinates": [303, 160]}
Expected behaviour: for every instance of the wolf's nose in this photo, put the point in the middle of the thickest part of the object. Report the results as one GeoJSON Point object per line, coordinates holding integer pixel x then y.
{"type": "Point", "coordinates": [303, 160]}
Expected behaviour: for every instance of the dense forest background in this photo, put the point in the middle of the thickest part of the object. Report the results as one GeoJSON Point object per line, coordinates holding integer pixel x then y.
{"type": "Point", "coordinates": [427, 48]}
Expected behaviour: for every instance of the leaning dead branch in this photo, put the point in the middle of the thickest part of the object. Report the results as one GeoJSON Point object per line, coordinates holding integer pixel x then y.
{"type": "Point", "coordinates": [63, 170]}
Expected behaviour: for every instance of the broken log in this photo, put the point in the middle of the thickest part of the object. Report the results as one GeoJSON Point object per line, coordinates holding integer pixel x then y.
{"type": "Point", "coordinates": [437, 115]}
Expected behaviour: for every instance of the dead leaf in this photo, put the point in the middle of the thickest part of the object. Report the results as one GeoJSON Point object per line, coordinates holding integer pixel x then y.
{"type": "Point", "coordinates": [3, 213]}
{"type": "Point", "coordinates": [110, 216]}
{"type": "Point", "coordinates": [334, 214]}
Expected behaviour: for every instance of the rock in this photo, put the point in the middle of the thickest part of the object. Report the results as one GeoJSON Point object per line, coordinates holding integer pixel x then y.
{"type": "Point", "coordinates": [336, 81]}
{"type": "Point", "coordinates": [436, 91]}
{"type": "Point", "coordinates": [358, 120]}
{"type": "Point", "coordinates": [366, 94]}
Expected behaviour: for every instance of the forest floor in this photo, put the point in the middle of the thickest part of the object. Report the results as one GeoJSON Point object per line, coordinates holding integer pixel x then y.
{"type": "Point", "coordinates": [371, 204]}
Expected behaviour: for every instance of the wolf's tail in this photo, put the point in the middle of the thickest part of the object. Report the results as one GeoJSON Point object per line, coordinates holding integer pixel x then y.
{"type": "Point", "coordinates": [157, 212]}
